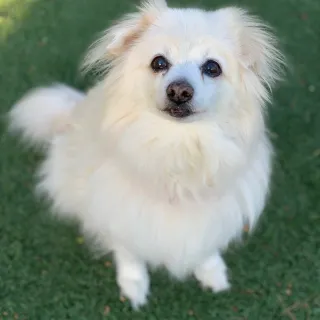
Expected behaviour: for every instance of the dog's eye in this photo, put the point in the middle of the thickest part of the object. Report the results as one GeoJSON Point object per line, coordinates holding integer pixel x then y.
{"type": "Point", "coordinates": [159, 64]}
{"type": "Point", "coordinates": [211, 68]}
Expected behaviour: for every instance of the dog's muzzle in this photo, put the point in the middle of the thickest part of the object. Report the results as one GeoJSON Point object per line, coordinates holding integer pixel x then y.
{"type": "Point", "coordinates": [179, 94]}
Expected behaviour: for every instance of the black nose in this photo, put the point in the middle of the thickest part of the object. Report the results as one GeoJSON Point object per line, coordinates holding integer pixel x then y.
{"type": "Point", "coordinates": [180, 92]}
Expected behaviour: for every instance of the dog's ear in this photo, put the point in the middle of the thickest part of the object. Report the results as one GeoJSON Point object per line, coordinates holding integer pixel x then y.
{"type": "Point", "coordinates": [256, 45]}
{"type": "Point", "coordinates": [117, 39]}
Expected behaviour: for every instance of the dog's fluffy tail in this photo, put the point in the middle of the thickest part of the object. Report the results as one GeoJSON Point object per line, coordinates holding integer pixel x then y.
{"type": "Point", "coordinates": [43, 113]}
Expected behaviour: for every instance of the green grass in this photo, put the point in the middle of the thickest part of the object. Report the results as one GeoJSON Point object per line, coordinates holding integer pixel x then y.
{"type": "Point", "coordinates": [45, 271]}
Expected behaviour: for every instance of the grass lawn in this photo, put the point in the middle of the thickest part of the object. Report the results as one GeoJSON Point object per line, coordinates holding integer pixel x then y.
{"type": "Point", "coordinates": [47, 273]}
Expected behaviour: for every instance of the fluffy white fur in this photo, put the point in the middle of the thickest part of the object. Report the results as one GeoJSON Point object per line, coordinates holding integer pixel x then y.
{"type": "Point", "coordinates": [44, 112]}
{"type": "Point", "coordinates": [154, 190]}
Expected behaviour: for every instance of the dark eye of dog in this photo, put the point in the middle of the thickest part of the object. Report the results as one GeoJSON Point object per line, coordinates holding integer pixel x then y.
{"type": "Point", "coordinates": [159, 64]}
{"type": "Point", "coordinates": [211, 68]}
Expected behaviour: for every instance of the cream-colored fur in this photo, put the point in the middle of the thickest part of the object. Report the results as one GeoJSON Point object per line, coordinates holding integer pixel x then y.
{"type": "Point", "coordinates": [154, 190]}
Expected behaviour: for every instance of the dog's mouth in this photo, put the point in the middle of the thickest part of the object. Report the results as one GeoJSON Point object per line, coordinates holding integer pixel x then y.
{"type": "Point", "coordinates": [179, 111]}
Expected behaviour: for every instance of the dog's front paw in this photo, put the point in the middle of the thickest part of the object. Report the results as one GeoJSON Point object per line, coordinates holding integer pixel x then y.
{"type": "Point", "coordinates": [132, 278]}
{"type": "Point", "coordinates": [136, 290]}
{"type": "Point", "coordinates": [216, 281]}
{"type": "Point", "coordinates": [213, 274]}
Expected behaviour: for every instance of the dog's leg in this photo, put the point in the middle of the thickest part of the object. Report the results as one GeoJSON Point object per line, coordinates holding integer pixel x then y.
{"type": "Point", "coordinates": [213, 274]}
{"type": "Point", "coordinates": [132, 277]}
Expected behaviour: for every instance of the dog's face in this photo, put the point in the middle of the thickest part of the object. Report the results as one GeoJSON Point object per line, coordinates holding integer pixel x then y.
{"type": "Point", "coordinates": [190, 64]}
{"type": "Point", "coordinates": [187, 69]}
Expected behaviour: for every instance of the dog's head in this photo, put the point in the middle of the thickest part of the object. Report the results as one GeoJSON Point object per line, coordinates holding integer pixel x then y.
{"type": "Point", "coordinates": [190, 64]}
{"type": "Point", "coordinates": [185, 92]}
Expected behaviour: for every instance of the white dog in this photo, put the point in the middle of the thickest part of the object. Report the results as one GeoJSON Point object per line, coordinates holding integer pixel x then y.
{"type": "Point", "coordinates": [167, 158]}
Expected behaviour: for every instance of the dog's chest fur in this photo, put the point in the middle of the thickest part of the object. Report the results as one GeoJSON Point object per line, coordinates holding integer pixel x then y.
{"type": "Point", "coordinates": [165, 221]}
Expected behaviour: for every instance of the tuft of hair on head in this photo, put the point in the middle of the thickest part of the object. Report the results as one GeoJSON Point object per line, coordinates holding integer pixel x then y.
{"type": "Point", "coordinates": [257, 45]}
{"type": "Point", "coordinates": [118, 39]}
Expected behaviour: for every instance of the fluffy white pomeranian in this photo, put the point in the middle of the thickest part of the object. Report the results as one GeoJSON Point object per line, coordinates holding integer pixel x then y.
{"type": "Point", "coordinates": [167, 158]}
